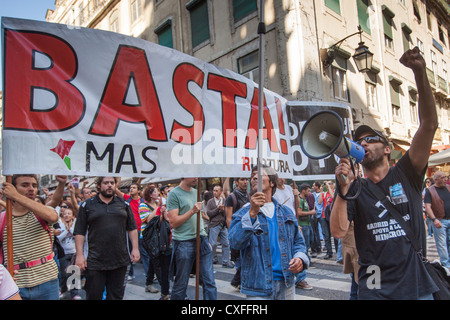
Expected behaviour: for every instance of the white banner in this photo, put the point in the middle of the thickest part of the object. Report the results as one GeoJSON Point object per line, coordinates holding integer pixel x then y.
{"type": "Point", "coordinates": [81, 101]}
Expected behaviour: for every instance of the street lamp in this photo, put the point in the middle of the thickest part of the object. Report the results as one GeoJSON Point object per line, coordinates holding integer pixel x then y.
{"type": "Point", "coordinates": [363, 57]}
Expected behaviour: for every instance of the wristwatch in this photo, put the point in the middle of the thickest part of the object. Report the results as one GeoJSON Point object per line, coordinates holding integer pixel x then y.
{"type": "Point", "coordinates": [433, 219]}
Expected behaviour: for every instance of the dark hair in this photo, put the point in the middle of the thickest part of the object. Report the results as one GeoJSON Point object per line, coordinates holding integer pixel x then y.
{"type": "Point", "coordinates": [99, 180]}
{"type": "Point", "coordinates": [271, 173]}
{"type": "Point", "coordinates": [207, 195]}
{"type": "Point", "coordinates": [148, 193]}
{"type": "Point", "coordinates": [136, 184]}
{"type": "Point", "coordinates": [70, 206]}
{"type": "Point", "coordinates": [15, 176]}
{"type": "Point", "coordinates": [304, 186]}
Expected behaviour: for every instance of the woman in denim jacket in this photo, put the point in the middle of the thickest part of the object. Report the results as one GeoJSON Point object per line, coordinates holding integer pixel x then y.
{"type": "Point", "coordinates": [272, 248]}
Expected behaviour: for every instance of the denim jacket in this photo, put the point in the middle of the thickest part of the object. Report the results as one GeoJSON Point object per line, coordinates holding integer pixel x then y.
{"type": "Point", "coordinates": [252, 239]}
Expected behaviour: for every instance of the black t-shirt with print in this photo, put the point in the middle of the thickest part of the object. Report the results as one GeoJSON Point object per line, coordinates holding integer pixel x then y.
{"type": "Point", "coordinates": [389, 265]}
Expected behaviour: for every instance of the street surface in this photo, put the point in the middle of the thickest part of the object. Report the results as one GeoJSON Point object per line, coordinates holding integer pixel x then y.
{"type": "Point", "coordinates": [325, 276]}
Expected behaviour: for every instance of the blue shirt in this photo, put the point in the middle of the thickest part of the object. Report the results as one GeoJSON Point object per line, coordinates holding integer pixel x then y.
{"type": "Point", "coordinates": [269, 211]}
{"type": "Point", "coordinates": [319, 207]}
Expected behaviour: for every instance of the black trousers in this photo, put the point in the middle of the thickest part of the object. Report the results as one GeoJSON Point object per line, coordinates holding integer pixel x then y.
{"type": "Point", "coordinates": [112, 280]}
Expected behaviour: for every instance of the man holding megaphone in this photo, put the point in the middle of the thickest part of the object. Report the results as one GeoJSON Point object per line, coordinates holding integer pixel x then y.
{"type": "Point", "coordinates": [390, 268]}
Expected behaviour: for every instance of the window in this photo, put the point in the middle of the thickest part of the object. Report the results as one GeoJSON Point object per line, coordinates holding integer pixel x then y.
{"type": "Point", "coordinates": [406, 36]}
{"type": "Point", "coordinates": [242, 8]}
{"type": "Point", "coordinates": [248, 66]}
{"type": "Point", "coordinates": [136, 10]}
{"type": "Point", "coordinates": [339, 75]}
{"type": "Point", "coordinates": [388, 16]}
{"type": "Point", "coordinates": [433, 62]}
{"type": "Point", "coordinates": [371, 90]}
{"type": "Point", "coordinates": [429, 21]}
{"type": "Point", "coordinates": [199, 21]}
{"type": "Point", "coordinates": [363, 15]}
{"type": "Point", "coordinates": [164, 33]}
{"type": "Point", "coordinates": [394, 84]}
{"type": "Point", "coordinates": [413, 107]}
{"type": "Point", "coordinates": [416, 10]}
{"type": "Point", "coordinates": [114, 21]}
{"type": "Point", "coordinates": [420, 46]}
{"type": "Point", "coordinates": [444, 70]}
{"type": "Point", "coordinates": [441, 33]}
{"type": "Point", "coordinates": [333, 5]}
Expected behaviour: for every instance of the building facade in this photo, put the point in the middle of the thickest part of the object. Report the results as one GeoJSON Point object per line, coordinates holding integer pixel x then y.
{"type": "Point", "coordinates": [298, 33]}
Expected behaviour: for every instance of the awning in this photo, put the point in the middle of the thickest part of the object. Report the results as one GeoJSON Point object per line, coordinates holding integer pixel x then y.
{"type": "Point", "coordinates": [439, 158]}
{"type": "Point", "coordinates": [440, 147]}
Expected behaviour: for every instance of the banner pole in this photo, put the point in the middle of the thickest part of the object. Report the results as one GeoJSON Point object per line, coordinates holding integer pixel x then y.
{"type": "Point", "coordinates": [197, 251]}
{"type": "Point", "coordinates": [261, 32]}
{"type": "Point", "coordinates": [9, 233]}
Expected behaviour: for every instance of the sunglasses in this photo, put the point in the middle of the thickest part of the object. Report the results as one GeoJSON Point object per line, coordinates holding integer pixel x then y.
{"type": "Point", "coordinates": [64, 206]}
{"type": "Point", "coordinates": [370, 139]}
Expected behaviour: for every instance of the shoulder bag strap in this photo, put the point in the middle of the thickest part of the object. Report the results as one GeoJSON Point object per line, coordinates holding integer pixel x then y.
{"type": "Point", "coordinates": [379, 194]}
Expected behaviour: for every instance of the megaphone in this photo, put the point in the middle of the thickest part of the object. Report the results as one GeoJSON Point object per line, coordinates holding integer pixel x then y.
{"type": "Point", "coordinates": [323, 135]}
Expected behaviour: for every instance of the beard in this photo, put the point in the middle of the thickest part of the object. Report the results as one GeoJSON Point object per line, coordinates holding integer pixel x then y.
{"type": "Point", "coordinates": [108, 193]}
{"type": "Point", "coordinates": [371, 162]}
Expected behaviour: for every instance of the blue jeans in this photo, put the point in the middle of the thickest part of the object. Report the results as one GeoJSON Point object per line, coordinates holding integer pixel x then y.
{"type": "Point", "coordinates": [46, 291]}
{"type": "Point", "coordinates": [442, 238]}
{"type": "Point", "coordinates": [279, 292]}
{"type": "Point", "coordinates": [307, 232]}
{"type": "Point", "coordinates": [144, 255]}
{"type": "Point", "coordinates": [184, 256]}
{"type": "Point", "coordinates": [221, 231]}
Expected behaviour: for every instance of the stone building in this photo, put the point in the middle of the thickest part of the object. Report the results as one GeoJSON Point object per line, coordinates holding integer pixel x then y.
{"type": "Point", "coordinates": [298, 34]}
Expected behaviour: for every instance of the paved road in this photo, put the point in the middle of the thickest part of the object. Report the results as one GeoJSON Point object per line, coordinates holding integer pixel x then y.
{"type": "Point", "coordinates": [325, 276]}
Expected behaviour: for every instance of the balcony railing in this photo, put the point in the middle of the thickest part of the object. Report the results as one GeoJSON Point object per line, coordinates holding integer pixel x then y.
{"type": "Point", "coordinates": [431, 78]}
{"type": "Point", "coordinates": [442, 84]}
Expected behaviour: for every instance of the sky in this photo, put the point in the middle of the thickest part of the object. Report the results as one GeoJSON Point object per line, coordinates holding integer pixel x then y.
{"type": "Point", "coordinates": [25, 9]}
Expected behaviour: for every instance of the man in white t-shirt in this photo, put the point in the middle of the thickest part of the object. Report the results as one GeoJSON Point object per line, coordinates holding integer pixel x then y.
{"type": "Point", "coordinates": [285, 195]}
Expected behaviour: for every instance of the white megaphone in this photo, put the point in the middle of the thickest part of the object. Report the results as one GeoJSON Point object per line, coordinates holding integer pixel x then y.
{"type": "Point", "coordinates": [323, 135]}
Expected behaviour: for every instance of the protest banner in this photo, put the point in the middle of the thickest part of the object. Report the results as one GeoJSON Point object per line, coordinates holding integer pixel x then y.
{"type": "Point", "coordinates": [298, 112]}
{"type": "Point", "coordinates": [80, 101]}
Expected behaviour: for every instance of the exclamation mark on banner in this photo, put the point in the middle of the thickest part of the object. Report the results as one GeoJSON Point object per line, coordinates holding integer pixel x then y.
{"type": "Point", "coordinates": [283, 142]}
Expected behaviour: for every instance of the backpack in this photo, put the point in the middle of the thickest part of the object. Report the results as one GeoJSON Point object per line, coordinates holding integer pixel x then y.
{"type": "Point", "coordinates": [150, 237]}
{"type": "Point", "coordinates": [156, 237]}
{"type": "Point", "coordinates": [43, 223]}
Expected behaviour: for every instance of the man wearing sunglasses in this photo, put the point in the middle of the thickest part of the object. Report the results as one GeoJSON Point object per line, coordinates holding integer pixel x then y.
{"type": "Point", "coordinates": [389, 265]}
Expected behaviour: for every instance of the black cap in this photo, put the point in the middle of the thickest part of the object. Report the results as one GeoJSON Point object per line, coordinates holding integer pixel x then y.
{"type": "Point", "coordinates": [366, 129]}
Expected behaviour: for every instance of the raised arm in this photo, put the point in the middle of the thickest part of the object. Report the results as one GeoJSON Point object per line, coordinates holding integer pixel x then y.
{"type": "Point", "coordinates": [428, 121]}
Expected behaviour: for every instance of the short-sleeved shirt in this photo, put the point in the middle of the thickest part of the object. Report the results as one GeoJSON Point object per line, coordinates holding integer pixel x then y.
{"type": "Point", "coordinates": [108, 224]}
{"type": "Point", "coordinates": [385, 253]}
{"type": "Point", "coordinates": [8, 287]}
{"type": "Point", "coordinates": [31, 242]}
{"type": "Point", "coordinates": [144, 211]}
{"type": "Point", "coordinates": [286, 197]}
{"type": "Point", "coordinates": [184, 201]}
{"type": "Point", "coordinates": [444, 194]}
{"type": "Point", "coordinates": [134, 204]}
{"type": "Point", "coordinates": [304, 220]}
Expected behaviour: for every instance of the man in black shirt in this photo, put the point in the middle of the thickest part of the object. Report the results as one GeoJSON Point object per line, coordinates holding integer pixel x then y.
{"type": "Point", "coordinates": [109, 220]}
{"type": "Point", "coordinates": [437, 207]}
{"type": "Point", "coordinates": [389, 266]}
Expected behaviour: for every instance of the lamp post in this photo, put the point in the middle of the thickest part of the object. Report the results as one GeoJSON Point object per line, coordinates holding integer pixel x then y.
{"type": "Point", "coordinates": [363, 57]}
